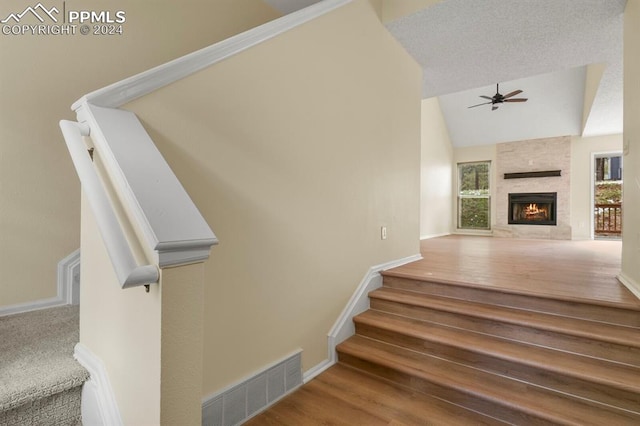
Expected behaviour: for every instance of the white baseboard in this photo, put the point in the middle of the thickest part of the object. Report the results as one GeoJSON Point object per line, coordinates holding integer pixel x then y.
{"type": "Point", "coordinates": [628, 282]}
{"type": "Point", "coordinates": [359, 302]}
{"type": "Point", "coordinates": [429, 236]}
{"type": "Point", "coordinates": [32, 306]}
{"type": "Point", "coordinates": [250, 396]}
{"type": "Point", "coordinates": [311, 373]}
{"type": "Point", "coordinates": [68, 289]}
{"type": "Point", "coordinates": [483, 233]}
{"type": "Point", "coordinates": [69, 278]}
{"type": "Point", "coordinates": [99, 407]}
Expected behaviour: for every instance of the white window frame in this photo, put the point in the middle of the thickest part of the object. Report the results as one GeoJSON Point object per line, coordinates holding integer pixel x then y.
{"type": "Point", "coordinates": [460, 196]}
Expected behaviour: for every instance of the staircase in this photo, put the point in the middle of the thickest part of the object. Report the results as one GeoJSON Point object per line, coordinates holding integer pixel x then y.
{"type": "Point", "coordinates": [40, 381]}
{"type": "Point", "coordinates": [515, 358]}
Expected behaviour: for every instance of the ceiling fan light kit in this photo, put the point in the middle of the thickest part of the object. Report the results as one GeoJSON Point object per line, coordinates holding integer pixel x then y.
{"type": "Point", "coordinates": [498, 98]}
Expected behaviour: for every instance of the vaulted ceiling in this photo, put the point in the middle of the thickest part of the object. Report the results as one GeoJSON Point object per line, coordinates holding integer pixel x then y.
{"type": "Point", "coordinates": [565, 55]}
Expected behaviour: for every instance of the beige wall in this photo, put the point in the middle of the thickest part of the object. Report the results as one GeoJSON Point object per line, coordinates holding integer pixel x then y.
{"type": "Point", "coordinates": [436, 172]}
{"type": "Point", "coordinates": [470, 154]}
{"type": "Point", "coordinates": [122, 328]}
{"type": "Point", "coordinates": [182, 342]}
{"type": "Point", "coordinates": [296, 152]}
{"type": "Point", "coordinates": [582, 150]}
{"type": "Point", "coordinates": [149, 343]}
{"type": "Point", "coordinates": [40, 77]}
{"type": "Point", "coordinates": [631, 146]}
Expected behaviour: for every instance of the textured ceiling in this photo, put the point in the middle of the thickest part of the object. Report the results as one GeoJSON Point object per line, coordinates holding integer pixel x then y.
{"type": "Point", "coordinates": [465, 47]}
{"type": "Point", "coordinates": [554, 108]}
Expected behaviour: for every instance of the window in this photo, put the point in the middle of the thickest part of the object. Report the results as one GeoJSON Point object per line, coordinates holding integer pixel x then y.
{"type": "Point", "coordinates": [608, 168]}
{"type": "Point", "coordinates": [474, 198]}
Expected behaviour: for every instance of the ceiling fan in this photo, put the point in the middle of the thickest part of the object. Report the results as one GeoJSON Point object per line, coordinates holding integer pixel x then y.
{"type": "Point", "coordinates": [498, 99]}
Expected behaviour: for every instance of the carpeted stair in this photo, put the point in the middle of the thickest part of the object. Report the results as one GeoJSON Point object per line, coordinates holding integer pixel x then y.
{"type": "Point", "coordinates": [40, 381]}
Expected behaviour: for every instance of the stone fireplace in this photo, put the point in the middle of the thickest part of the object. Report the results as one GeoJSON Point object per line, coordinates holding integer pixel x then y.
{"type": "Point", "coordinates": [533, 188]}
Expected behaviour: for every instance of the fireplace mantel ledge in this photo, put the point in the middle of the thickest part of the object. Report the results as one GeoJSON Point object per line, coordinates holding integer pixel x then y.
{"type": "Point", "coordinates": [545, 173]}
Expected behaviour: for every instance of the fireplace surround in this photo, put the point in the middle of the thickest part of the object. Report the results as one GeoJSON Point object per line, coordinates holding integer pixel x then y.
{"type": "Point", "coordinates": [533, 208]}
{"type": "Point", "coordinates": [531, 156]}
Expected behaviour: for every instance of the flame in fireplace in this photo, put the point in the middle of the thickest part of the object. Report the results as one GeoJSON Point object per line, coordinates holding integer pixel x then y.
{"type": "Point", "coordinates": [531, 209]}
{"type": "Point", "coordinates": [535, 212]}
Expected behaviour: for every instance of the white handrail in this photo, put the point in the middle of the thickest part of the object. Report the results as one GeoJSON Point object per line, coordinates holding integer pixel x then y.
{"type": "Point", "coordinates": [129, 273]}
{"type": "Point", "coordinates": [168, 220]}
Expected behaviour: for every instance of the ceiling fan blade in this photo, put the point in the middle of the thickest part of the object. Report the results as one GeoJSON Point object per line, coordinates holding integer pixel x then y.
{"type": "Point", "coordinates": [486, 97]}
{"type": "Point", "coordinates": [484, 103]}
{"type": "Point", "coordinates": [516, 100]}
{"type": "Point", "coordinates": [515, 92]}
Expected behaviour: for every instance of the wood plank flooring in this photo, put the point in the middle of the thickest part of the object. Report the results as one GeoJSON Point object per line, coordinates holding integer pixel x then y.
{"type": "Point", "coordinates": [343, 396]}
{"type": "Point", "coordinates": [572, 271]}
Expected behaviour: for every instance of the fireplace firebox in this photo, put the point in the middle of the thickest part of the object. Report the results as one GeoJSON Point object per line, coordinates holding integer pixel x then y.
{"type": "Point", "coordinates": [533, 208]}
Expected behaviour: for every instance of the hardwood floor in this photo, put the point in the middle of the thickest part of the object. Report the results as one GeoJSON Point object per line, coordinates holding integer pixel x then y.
{"type": "Point", "coordinates": [573, 270]}
{"type": "Point", "coordinates": [344, 396]}
{"type": "Point", "coordinates": [527, 331]}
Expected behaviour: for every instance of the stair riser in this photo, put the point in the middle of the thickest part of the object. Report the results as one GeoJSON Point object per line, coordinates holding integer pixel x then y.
{"type": "Point", "coordinates": [537, 375]}
{"type": "Point", "coordinates": [470, 401]}
{"type": "Point", "coordinates": [523, 333]}
{"type": "Point", "coordinates": [613, 315]}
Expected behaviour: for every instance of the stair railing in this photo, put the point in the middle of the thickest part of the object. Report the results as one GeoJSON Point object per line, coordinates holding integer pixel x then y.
{"type": "Point", "coordinates": [129, 273]}
{"type": "Point", "coordinates": [155, 202]}
{"type": "Point", "coordinates": [168, 226]}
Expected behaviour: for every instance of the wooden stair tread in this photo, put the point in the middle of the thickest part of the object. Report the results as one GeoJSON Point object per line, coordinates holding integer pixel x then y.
{"type": "Point", "coordinates": [610, 374]}
{"type": "Point", "coordinates": [501, 390]}
{"type": "Point", "coordinates": [398, 402]}
{"type": "Point", "coordinates": [578, 327]}
{"type": "Point", "coordinates": [417, 273]}
{"type": "Point", "coordinates": [343, 395]}
{"type": "Point", "coordinates": [596, 310]}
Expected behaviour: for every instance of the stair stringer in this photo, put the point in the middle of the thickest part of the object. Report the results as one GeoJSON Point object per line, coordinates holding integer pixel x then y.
{"type": "Point", "coordinates": [359, 302]}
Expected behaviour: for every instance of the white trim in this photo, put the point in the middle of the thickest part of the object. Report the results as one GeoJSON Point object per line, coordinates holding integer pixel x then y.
{"type": "Point", "coordinates": [592, 200]}
{"type": "Point", "coordinates": [68, 289]}
{"type": "Point", "coordinates": [592, 197]}
{"type": "Point", "coordinates": [146, 82]}
{"type": "Point", "coordinates": [129, 273]}
{"type": "Point", "coordinates": [67, 293]}
{"type": "Point", "coordinates": [479, 232]}
{"type": "Point", "coordinates": [359, 302]}
{"type": "Point", "coordinates": [99, 402]}
{"type": "Point", "coordinates": [170, 222]}
{"type": "Point", "coordinates": [35, 305]}
{"type": "Point", "coordinates": [428, 237]}
{"type": "Point", "coordinates": [631, 284]}
{"type": "Point", "coordinates": [316, 370]}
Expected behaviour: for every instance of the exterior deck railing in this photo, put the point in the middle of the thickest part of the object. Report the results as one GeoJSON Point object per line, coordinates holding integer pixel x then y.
{"type": "Point", "coordinates": [608, 219]}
